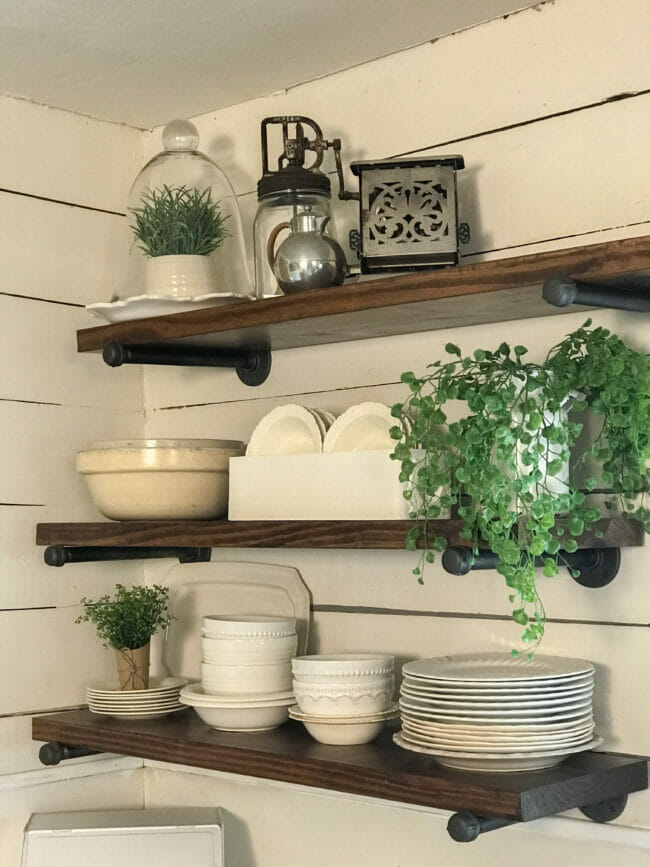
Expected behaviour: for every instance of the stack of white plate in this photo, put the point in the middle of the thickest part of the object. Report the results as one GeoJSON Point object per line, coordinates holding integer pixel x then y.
{"type": "Point", "coordinates": [160, 699]}
{"type": "Point", "coordinates": [492, 712]}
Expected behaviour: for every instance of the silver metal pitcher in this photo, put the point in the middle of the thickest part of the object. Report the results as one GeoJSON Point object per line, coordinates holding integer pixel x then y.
{"type": "Point", "coordinates": [308, 258]}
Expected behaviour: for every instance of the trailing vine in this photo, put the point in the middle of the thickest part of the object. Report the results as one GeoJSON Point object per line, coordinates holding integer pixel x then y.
{"type": "Point", "coordinates": [502, 464]}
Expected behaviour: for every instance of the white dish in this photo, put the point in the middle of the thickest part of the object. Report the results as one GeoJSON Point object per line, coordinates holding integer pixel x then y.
{"type": "Point", "coordinates": [496, 762]}
{"type": "Point", "coordinates": [144, 306]}
{"type": "Point", "coordinates": [153, 480]}
{"type": "Point", "coordinates": [496, 707]}
{"type": "Point", "coordinates": [342, 666]}
{"type": "Point", "coordinates": [484, 726]}
{"type": "Point", "coordinates": [157, 686]}
{"type": "Point", "coordinates": [503, 717]}
{"type": "Point", "coordinates": [286, 430]}
{"type": "Point", "coordinates": [328, 418]}
{"type": "Point", "coordinates": [236, 652]}
{"type": "Point", "coordinates": [343, 731]}
{"type": "Point", "coordinates": [245, 626]}
{"type": "Point", "coordinates": [245, 679]}
{"type": "Point", "coordinates": [364, 427]}
{"type": "Point", "coordinates": [240, 718]}
{"type": "Point", "coordinates": [490, 695]}
{"type": "Point", "coordinates": [493, 733]}
{"type": "Point", "coordinates": [495, 667]}
{"type": "Point", "coordinates": [390, 713]}
{"type": "Point", "coordinates": [195, 693]}
{"type": "Point", "coordinates": [230, 588]}
{"type": "Point", "coordinates": [341, 700]}
{"type": "Point", "coordinates": [137, 714]}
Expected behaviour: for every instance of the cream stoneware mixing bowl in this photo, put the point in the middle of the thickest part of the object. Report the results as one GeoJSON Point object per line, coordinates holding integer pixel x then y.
{"type": "Point", "coordinates": [159, 479]}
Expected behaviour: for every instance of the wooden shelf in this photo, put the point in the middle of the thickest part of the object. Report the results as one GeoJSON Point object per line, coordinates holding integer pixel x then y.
{"type": "Point", "coordinates": [618, 532]}
{"type": "Point", "coordinates": [379, 769]}
{"type": "Point", "coordinates": [493, 291]}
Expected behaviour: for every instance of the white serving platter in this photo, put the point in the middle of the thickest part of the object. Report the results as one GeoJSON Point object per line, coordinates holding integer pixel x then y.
{"type": "Point", "coordinates": [200, 589]}
{"type": "Point", "coordinates": [144, 306]}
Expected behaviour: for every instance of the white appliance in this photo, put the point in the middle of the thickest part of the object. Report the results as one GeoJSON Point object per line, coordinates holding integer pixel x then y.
{"type": "Point", "coordinates": [142, 838]}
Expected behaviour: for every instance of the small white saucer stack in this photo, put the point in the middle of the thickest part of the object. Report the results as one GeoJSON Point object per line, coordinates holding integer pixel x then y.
{"type": "Point", "coordinates": [343, 698]}
{"type": "Point", "coordinates": [245, 672]}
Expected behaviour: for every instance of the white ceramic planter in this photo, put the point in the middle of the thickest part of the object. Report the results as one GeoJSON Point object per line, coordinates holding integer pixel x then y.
{"type": "Point", "coordinates": [180, 276]}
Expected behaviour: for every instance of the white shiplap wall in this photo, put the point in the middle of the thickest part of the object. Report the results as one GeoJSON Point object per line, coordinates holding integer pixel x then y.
{"type": "Point", "coordinates": [63, 184]}
{"type": "Point", "coordinates": [550, 108]}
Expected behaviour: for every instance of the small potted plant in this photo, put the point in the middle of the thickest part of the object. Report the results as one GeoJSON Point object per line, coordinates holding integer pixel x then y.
{"type": "Point", "coordinates": [502, 462]}
{"type": "Point", "coordinates": [177, 229]}
{"type": "Point", "coordinates": [126, 623]}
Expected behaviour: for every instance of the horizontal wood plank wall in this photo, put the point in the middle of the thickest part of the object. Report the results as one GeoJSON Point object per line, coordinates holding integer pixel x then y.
{"type": "Point", "coordinates": [555, 142]}
{"type": "Point", "coordinates": [64, 180]}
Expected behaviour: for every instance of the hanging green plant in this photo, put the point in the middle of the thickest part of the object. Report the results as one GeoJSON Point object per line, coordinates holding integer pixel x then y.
{"type": "Point", "coordinates": [506, 461]}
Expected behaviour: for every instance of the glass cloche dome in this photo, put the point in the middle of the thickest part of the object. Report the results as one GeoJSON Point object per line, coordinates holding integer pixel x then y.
{"type": "Point", "coordinates": [185, 224]}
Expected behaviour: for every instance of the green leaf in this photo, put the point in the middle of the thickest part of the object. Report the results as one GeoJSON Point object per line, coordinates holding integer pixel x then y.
{"type": "Point", "coordinates": [520, 350]}
{"type": "Point", "coordinates": [452, 349]}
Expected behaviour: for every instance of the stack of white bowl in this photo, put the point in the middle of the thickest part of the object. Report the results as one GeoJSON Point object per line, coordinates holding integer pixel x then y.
{"type": "Point", "coordinates": [245, 672]}
{"type": "Point", "coordinates": [344, 698]}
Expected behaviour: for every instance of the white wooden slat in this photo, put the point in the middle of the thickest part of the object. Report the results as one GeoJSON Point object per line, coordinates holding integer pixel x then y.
{"type": "Point", "coordinates": [330, 828]}
{"type": "Point", "coordinates": [536, 182]}
{"type": "Point", "coordinates": [37, 458]}
{"type": "Point", "coordinates": [25, 580]}
{"type": "Point", "coordinates": [60, 253]}
{"type": "Point", "coordinates": [121, 790]}
{"type": "Point", "coordinates": [48, 659]}
{"type": "Point", "coordinates": [66, 156]}
{"type": "Point", "coordinates": [545, 60]}
{"type": "Point", "coordinates": [39, 359]}
{"type": "Point", "coordinates": [622, 693]}
{"type": "Point", "coordinates": [383, 580]}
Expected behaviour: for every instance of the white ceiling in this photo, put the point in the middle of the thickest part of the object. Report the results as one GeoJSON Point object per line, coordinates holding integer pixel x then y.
{"type": "Point", "coordinates": [143, 62]}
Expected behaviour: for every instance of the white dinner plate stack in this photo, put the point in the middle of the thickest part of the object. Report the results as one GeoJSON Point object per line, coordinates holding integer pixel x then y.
{"type": "Point", "coordinates": [160, 699]}
{"type": "Point", "coordinates": [493, 712]}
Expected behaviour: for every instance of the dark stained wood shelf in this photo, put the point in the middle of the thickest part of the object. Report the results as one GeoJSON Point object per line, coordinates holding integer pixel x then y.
{"type": "Point", "coordinates": [492, 291]}
{"type": "Point", "coordinates": [379, 769]}
{"type": "Point", "coordinates": [618, 532]}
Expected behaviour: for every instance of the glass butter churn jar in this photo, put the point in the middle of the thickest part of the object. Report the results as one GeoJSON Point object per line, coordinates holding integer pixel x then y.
{"type": "Point", "coordinates": [297, 198]}
{"type": "Point", "coordinates": [187, 235]}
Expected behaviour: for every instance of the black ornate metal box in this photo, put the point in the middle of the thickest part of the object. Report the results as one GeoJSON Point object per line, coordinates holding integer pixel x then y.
{"type": "Point", "coordinates": [408, 213]}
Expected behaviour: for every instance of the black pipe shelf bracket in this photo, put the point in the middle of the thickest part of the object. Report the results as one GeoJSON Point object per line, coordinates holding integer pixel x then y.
{"type": "Point", "coordinates": [252, 365]}
{"type": "Point", "coordinates": [53, 753]}
{"type": "Point", "coordinates": [59, 555]}
{"type": "Point", "coordinates": [590, 567]}
{"type": "Point", "coordinates": [563, 291]}
{"type": "Point", "coordinates": [465, 827]}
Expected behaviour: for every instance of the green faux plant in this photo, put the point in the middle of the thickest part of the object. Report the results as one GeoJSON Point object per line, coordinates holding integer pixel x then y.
{"type": "Point", "coordinates": [178, 221]}
{"type": "Point", "coordinates": [130, 618]}
{"type": "Point", "coordinates": [501, 464]}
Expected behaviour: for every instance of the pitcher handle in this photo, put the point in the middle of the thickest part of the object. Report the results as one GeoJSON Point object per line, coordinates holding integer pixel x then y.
{"type": "Point", "coordinates": [270, 244]}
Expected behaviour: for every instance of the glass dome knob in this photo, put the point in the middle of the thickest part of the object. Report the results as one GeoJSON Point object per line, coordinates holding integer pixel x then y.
{"type": "Point", "coordinates": [180, 135]}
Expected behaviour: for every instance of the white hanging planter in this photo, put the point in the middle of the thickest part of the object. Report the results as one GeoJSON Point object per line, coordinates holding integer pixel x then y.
{"type": "Point", "coordinates": [180, 276]}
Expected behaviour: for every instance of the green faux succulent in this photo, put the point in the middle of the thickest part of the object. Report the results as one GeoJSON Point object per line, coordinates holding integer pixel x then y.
{"type": "Point", "coordinates": [178, 221]}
